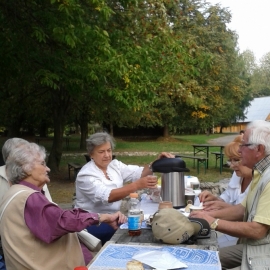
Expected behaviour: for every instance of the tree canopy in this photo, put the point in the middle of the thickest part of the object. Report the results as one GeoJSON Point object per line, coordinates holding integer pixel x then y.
{"type": "Point", "coordinates": [170, 63]}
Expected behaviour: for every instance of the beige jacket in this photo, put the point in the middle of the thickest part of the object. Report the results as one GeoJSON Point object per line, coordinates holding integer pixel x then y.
{"type": "Point", "coordinates": [23, 251]}
{"type": "Point", "coordinates": [256, 253]}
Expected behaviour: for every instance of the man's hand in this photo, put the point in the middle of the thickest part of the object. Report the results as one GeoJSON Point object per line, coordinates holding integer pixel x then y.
{"type": "Point", "coordinates": [202, 214]}
{"type": "Point", "coordinates": [215, 205]}
{"type": "Point", "coordinates": [206, 196]}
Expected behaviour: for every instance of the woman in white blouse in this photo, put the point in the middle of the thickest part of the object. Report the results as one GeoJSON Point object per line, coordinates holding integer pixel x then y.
{"type": "Point", "coordinates": [101, 183]}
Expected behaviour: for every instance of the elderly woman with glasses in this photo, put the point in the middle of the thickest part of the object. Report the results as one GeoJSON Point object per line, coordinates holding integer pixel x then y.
{"type": "Point", "coordinates": [239, 182]}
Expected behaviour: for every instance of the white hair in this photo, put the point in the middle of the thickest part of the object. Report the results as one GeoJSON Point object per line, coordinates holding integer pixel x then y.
{"type": "Point", "coordinates": [97, 139]}
{"type": "Point", "coordinates": [259, 133]}
{"type": "Point", "coordinates": [11, 144]}
{"type": "Point", "coordinates": [21, 161]}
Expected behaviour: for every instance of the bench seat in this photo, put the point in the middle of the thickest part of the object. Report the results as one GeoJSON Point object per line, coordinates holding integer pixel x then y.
{"type": "Point", "coordinates": [200, 160]}
{"type": "Point", "coordinates": [75, 167]}
{"type": "Point", "coordinates": [217, 156]}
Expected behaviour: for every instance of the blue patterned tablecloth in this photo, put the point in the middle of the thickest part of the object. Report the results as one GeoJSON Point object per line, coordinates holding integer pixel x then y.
{"type": "Point", "coordinates": [115, 257]}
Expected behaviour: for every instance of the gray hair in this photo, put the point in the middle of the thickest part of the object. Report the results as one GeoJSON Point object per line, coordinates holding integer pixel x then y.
{"type": "Point", "coordinates": [97, 139]}
{"type": "Point", "coordinates": [259, 134]}
{"type": "Point", "coordinates": [11, 144]}
{"type": "Point", "coordinates": [21, 161]}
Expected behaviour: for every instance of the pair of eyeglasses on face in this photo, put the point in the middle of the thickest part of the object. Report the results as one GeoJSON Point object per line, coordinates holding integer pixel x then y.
{"type": "Point", "coordinates": [245, 145]}
{"type": "Point", "coordinates": [233, 162]}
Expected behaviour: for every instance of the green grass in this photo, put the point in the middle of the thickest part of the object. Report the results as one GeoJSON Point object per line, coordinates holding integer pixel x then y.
{"type": "Point", "coordinates": [178, 144]}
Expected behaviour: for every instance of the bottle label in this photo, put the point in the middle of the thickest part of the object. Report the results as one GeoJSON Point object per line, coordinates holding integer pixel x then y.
{"type": "Point", "coordinates": [134, 222]}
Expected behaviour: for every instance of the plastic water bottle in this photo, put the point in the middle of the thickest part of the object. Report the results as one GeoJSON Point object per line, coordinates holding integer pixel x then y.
{"type": "Point", "coordinates": [134, 215]}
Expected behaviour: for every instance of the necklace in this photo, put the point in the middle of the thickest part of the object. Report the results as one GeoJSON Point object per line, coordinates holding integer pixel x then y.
{"type": "Point", "coordinates": [105, 173]}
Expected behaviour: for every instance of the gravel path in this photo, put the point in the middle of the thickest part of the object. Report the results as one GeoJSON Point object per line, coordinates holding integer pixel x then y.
{"type": "Point", "coordinates": [222, 140]}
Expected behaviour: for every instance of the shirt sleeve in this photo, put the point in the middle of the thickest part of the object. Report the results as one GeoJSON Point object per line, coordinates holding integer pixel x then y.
{"type": "Point", "coordinates": [93, 188]}
{"type": "Point", "coordinates": [47, 221]}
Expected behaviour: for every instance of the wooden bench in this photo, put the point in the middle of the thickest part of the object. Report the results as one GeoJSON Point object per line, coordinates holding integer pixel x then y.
{"type": "Point", "coordinates": [200, 160]}
{"type": "Point", "coordinates": [75, 167]}
{"type": "Point", "coordinates": [217, 156]}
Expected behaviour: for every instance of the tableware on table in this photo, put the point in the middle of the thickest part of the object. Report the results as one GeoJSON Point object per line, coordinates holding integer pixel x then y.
{"type": "Point", "coordinates": [165, 204]}
{"type": "Point", "coordinates": [189, 198]}
{"type": "Point", "coordinates": [172, 182]}
{"type": "Point", "coordinates": [195, 208]}
{"type": "Point", "coordinates": [195, 185]}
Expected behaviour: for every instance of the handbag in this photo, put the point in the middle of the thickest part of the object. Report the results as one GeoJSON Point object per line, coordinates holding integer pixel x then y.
{"type": "Point", "coordinates": [89, 240]}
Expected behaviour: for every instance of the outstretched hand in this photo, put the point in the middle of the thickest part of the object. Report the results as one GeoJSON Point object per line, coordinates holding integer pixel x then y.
{"type": "Point", "coordinates": [214, 205]}
{"type": "Point", "coordinates": [206, 196]}
{"type": "Point", "coordinates": [114, 220]}
{"type": "Point", "coordinates": [202, 214]}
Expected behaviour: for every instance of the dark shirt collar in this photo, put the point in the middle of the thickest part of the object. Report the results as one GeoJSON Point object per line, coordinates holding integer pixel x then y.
{"type": "Point", "coordinates": [25, 183]}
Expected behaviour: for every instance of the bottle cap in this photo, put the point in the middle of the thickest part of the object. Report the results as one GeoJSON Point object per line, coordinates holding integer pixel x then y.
{"type": "Point", "coordinates": [133, 195]}
{"type": "Point", "coordinates": [81, 268]}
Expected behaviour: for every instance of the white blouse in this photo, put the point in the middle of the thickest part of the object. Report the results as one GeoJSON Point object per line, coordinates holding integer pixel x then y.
{"type": "Point", "coordinates": [93, 188]}
{"type": "Point", "coordinates": [232, 194]}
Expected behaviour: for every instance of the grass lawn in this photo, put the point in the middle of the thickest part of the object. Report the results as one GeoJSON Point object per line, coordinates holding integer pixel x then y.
{"type": "Point", "coordinates": [177, 144]}
{"type": "Point", "coordinates": [62, 188]}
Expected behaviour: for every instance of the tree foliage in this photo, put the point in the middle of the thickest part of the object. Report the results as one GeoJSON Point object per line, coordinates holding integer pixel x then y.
{"type": "Point", "coordinates": [170, 63]}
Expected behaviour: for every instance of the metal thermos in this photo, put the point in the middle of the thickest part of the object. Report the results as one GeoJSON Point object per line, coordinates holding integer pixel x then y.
{"type": "Point", "coordinates": [173, 180]}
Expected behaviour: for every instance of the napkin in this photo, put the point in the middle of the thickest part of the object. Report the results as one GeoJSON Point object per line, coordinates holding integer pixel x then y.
{"type": "Point", "coordinates": [160, 260]}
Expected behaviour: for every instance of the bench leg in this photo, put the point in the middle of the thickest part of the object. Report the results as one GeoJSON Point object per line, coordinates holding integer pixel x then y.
{"type": "Point", "coordinates": [75, 173]}
{"type": "Point", "coordinates": [69, 172]}
{"type": "Point", "coordinates": [204, 163]}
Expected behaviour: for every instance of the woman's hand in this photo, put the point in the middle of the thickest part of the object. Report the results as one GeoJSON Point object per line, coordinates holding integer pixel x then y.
{"type": "Point", "coordinates": [214, 205]}
{"type": "Point", "coordinates": [113, 220]}
{"type": "Point", "coordinates": [149, 181]}
{"type": "Point", "coordinates": [206, 196]}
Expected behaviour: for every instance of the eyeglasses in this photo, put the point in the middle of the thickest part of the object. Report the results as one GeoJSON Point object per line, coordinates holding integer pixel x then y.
{"type": "Point", "coordinates": [246, 144]}
{"type": "Point", "coordinates": [233, 162]}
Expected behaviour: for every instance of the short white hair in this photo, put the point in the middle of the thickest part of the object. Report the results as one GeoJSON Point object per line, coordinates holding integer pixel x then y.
{"type": "Point", "coordinates": [11, 144]}
{"type": "Point", "coordinates": [259, 133]}
{"type": "Point", "coordinates": [21, 161]}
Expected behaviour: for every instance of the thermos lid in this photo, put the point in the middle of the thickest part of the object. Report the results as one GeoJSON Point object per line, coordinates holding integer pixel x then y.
{"type": "Point", "coordinates": [166, 165]}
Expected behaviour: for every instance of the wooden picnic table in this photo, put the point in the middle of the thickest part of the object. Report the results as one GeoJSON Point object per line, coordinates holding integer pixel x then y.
{"type": "Point", "coordinates": [204, 148]}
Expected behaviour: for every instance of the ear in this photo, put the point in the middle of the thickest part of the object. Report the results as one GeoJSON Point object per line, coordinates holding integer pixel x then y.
{"type": "Point", "coordinates": [260, 151]}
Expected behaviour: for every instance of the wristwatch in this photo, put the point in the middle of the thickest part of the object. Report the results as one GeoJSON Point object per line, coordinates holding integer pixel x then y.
{"type": "Point", "coordinates": [214, 224]}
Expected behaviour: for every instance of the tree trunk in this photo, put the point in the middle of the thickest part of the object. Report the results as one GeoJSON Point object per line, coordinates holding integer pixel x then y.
{"type": "Point", "coordinates": [166, 131]}
{"type": "Point", "coordinates": [111, 129]}
{"type": "Point", "coordinates": [14, 127]}
{"type": "Point", "coordinates": [60, 103]}
{"type": "Point", "coordinates": [84, 134]}
{"type": "Point", "coordinates": [43, 129]}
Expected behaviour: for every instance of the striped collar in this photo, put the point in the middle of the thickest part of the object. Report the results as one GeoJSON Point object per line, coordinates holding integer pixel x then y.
{"type": "Point", "coordinates": [263, 164]}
